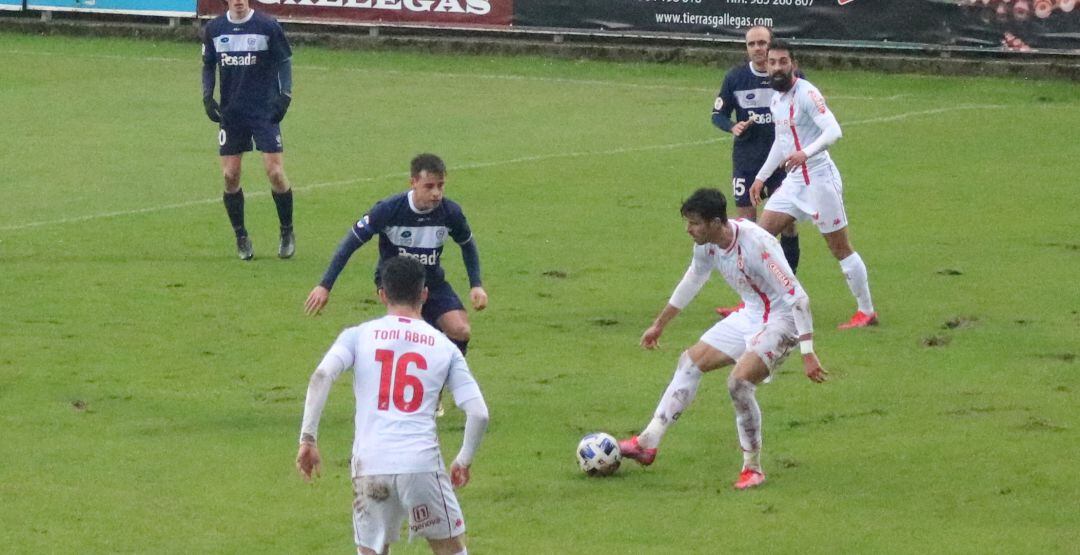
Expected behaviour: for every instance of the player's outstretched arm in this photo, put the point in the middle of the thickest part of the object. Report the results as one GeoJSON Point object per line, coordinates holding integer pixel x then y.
{"type": "Point", "coordinates": [651, 338]}
{"type": "Point", "coordinates": [319, 296]}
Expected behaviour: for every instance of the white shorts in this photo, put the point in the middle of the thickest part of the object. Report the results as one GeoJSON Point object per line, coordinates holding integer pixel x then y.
{"type": "Point", "coordinates": [382, 502]}
{"type": "Point", "coordinates": [822, 201]}
{"type": "Point", "coordinates": [772, 341]}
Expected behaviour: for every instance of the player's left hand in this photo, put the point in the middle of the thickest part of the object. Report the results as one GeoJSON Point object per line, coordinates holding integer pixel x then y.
{"type": "Point", "coordinates": [813, 368]}
{"type": "Point", "coordinates": [459, 475]}
{"type": "Point", "coordinates": [281, 105]}
{"type": "Point", "coordinates": [478, 297]}
{"type": "Point", "coordinates": [797, 159]}
{"type": "Point", "coordinates": [308, 461]}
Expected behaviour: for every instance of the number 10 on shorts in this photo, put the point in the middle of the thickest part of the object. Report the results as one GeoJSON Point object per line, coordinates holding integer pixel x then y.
{"type": "Point", "coordinates": [396, 378]}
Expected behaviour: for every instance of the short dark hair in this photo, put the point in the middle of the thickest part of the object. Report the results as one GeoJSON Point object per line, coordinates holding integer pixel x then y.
{"type": "Point", "coordinates": [402, 278]}
{"type": "Point", "coordinates": [427, 162]}
{"type": "Point", "coordinates": [707, 204]}
{"type": "Point", "coordinates": [781, 44]}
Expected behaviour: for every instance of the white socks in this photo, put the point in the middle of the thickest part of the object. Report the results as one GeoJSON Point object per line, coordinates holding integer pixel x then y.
{"type": "Point", "coordinates": [855, 274]}
{"type": "Point", "coordinates": [747, 420]}
{"type": "Point", "coordinates": [679, 394]}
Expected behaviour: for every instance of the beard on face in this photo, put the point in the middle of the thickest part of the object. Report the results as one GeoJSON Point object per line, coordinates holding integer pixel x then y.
{"type": "Point", "coordinates": [781, 81]}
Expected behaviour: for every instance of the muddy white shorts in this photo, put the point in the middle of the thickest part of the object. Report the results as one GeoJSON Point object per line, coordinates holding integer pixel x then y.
{"type": "Point", "coordinates": [742, 330]}
{"type": "Point", "coordinates": [381, 503]}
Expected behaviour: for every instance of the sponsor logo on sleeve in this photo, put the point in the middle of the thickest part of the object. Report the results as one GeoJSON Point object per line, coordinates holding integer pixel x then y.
{"type": "Point", "coordinates": [818, 101]}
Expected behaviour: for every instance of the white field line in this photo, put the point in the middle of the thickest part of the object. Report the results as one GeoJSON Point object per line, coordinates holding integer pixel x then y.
{"type": "Point", "coordinates": [480, 165]}
{"type": "Point", "coordinates": [443, 75]}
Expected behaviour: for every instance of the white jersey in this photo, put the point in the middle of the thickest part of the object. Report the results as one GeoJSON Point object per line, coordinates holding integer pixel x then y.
{"type": "Point", "coordinates": [401, 364]}
{"type": "Point", "coordinates": [800, 116]}
{"type": "Point", "coordinates": [753, 265]}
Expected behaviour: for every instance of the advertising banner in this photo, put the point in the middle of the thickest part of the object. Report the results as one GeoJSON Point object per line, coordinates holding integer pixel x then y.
{"type": "Point", "coordinates": [11, 5]}
{"type": "Point", "coordinates": [1011, 24]}
{"type": "Point", "coordinates": [170, 8]}
{"type": "Point", "coordinates": [449, 13]}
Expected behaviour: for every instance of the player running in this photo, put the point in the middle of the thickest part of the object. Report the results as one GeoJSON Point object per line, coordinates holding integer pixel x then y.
{"type": "Point", "coordinates": [254, 58]}
{"type": "Point", "coordinates": [401, 364]}
{"type": "Point", "coordinates": [757, 339]}
{"type": "Point", "coordinates": [812, 190]}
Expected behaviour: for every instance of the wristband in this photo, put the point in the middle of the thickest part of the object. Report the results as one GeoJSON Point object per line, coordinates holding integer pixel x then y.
{"type": "Point", "coordinates": [806, 346]}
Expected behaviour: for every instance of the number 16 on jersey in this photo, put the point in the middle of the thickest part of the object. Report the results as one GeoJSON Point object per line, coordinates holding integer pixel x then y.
{"type": "Point", "coordinates": [396, 378]}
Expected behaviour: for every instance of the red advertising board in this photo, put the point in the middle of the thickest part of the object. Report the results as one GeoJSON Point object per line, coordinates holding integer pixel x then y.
{"type": "Point", "coordinates": [479, 13]}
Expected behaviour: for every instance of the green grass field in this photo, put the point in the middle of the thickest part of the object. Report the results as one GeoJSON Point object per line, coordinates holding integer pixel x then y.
{"type": "Point", "coordinates": [151, 385]}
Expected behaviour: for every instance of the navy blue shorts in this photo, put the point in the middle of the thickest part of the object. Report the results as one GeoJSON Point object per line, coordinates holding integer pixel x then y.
{"type": "Point", "coordinates": [741, 180]}
{"type": "Point", "coordinates": [236, 137]}
{"type": "Point", "coordinates": [441, 299]}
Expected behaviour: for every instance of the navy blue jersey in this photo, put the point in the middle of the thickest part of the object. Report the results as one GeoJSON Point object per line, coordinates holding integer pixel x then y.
{"type": "Point", "coordinates": [249, 54]}
{"type": "Point", "coordinates": [404, 230]}
{"type": "Point", "coordinates": [747, 93]}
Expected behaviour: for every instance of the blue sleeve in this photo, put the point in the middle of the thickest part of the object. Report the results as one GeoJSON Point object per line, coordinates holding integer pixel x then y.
{"type": "Point", "coordinates": [208, 81]}
{"type": "Point", "coordinates": [372, 223]}
{"type": "Point", "coordinates": [345, 249]}
{"type": "Point", "coordinates": [285, 77]}
{"type": "Point", "coordinates": [209, 56]}
{"type": "Point", "coordinates": [471, 256]}
{"type": "Point", "coordinates": [459, 226]}
{"type": "Point", "coordinates": [724, 105]}
{"type": "Point", "coordinates": [279, 45]}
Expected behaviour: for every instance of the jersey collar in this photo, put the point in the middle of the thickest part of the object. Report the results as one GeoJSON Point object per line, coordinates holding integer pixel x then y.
{"type": "Point", "coordinates": [247, 18]}
{"type": "Point", "coordinates": [413, 206]}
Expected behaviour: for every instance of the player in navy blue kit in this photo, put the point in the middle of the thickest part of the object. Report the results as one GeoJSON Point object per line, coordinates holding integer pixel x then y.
{"type": "Point", "coordinates": [416, 223]}
{"type": "Point", "coordinates": [746, 92]}
{"type": "Point", "coordinates": [256, 89]}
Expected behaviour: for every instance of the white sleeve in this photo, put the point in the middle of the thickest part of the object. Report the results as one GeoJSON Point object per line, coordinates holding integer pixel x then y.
{"type": "Point", "coordinates": [693, 280]}
{"type": "Point", "coordinates": [775, 158]}
{"type": "Point", "coordinates": [813, 103]}
{"type": "Point", "coordinates": [476, 421]}
{"type": "Point", "coordinates": [338, 359]}
{"type": "Point", "coordinates": [460, 381]}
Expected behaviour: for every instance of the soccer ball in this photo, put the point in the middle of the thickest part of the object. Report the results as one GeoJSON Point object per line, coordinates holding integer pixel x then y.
{"type": "Point", "coordinates": [598, 454]}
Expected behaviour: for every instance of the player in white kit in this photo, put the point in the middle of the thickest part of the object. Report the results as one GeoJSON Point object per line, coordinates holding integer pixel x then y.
{"type": "Point", "coordinates": [812, 190]}
{"type": "Point", "coordinates": [756, 339]}
{"type": "Point", "coordinates": [401, 363]}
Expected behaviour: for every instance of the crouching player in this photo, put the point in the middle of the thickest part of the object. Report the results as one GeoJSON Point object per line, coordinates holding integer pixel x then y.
{"type": "Point", "coordinates": [755, 339]}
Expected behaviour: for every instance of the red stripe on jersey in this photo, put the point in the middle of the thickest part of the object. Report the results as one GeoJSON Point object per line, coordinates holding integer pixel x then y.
{"type": "Point", "coordinates": [764, 299]}
{"type": "Point", "coordinates": [404, 320]}
{"type": "Point", "coordinates": [795, 134]}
